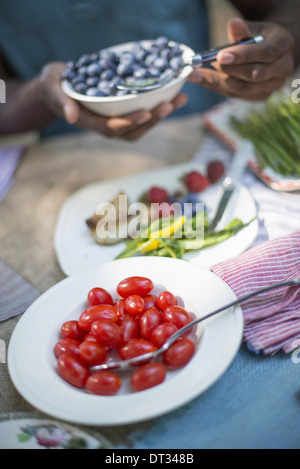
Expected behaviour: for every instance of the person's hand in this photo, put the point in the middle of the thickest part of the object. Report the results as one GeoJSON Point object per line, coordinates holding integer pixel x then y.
{"type": "Point", "coordinates": [129, 127]}
{"type": "Point", "coordinates": [251, 72]}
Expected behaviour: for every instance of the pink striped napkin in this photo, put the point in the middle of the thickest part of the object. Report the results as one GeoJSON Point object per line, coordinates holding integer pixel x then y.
{"type": "Point", "coordinates": [271, 320]}
{"type": "Point", "coordinates": [16, 294]}
{"type": "Point", "coordinates": [9, 160]}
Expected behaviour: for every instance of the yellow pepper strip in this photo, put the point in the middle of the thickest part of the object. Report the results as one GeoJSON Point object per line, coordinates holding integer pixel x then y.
{"type": "Point", "coordinates": [168, 230]}
{"type": "Point", "coordinates": [150, 245]}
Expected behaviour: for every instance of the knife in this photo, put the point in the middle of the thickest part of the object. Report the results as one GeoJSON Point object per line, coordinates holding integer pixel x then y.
{"type": "Point", "coordinates": [237, 167]}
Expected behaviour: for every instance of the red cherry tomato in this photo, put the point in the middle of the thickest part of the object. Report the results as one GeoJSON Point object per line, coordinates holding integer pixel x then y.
{"type": "Point", "coordinates": [162, 332]}
{"type": "Point", "coordinates": [107, 332]}
{"type": "Point", "coordinates": [150, 300]}
{"type": "Point", "coordinates": [147, 376]}
{"type": "Point", "coordinates": [149, 320]}
{"type": "Point", "coordinates": [135, 286]}
{"type": "Point", "coordinates": [179, 353]}
{"type": "Point", "coordinates": [120, 307]}
{"type": "Point", "coordinates": [99, 296]}
{"type": "Point", "coordinates": [72, 370]}
{"type": "Point", "coordinates": [66, 346]}
{"type": "Point", "coordinates": [71, 330]}
{"type": "Point", "coordinates": [103, 383]}
{"type": "Point", "coordinates": [92, 353]}
{"type": "Point", "coordinates": [90, 338]}
{"type": "Point", "coordinates": [134, 305]}
{"type": "Point", "coordinates": [95, 313]}
{"type": "Point", "coordinates": [177, 315]}
{"type": "Point", "coordinates": [129, 327]}
{"type": "Point", "coordinates": [166, 298]}
{"type": "Point", "coordinates": [135, 348]}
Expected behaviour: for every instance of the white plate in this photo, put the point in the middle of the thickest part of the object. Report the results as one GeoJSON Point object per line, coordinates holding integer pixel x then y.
{"type": "Point", "coordinates": [32, 364]}
{"type": "Point", "coordinates": [77, 251]}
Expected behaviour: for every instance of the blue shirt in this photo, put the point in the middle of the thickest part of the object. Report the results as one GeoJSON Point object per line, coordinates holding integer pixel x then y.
{"type": "Point", "coordinates": [35, 32]}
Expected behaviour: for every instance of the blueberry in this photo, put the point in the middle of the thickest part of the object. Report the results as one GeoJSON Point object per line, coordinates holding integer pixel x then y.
{"type": "Point", "coordinates": [150, 59]}
{"type": "Point", "coordinates": [140, 55]}
{"type": "Point", "coordinates": [84, 60]}
{"type": "Point", "coordinates": [69, 74]}
{"type": "Point", "coordinates": [115, 81]}
{"type": "Point", "coordinates": [161, 63]}
{"type": "Point", "coordinates": [78, 79]}
{"type": "Point", "coordinates": [124, 70]}
{"type": "Point", "coordinates": [165, 54]}
{"type": "Point", "coordinates": [94, 92]}
{"type": "Point", "coordinates": [140, 72]}
{"type": "Point", "coordinates": [162, 42]}
{"type": "Point", "coordinates": [127, 58]}
{"type": "Point", "coordinates": [82, 71]}
{"type": "Point", "coordinates": [92, 81]}
{"type": "Point", "coordinates": [108, 55]}
{"type": "Point", "coordinates": [94, 69]}
{"type": "Point", "coordinates": [176, 63]}
{"type": "Point", "coordinates": [81, 88]}
{"type": "Point", "coordinates": [107, 64]}
{"type": "Point", "coordinates": [107, 74]}
{"type": "Point", "coordinates": [154, 72]}
{"type": "Point", "coordinates": [104, 87]}
{"type": "Point", "coordinates": [175, 50]}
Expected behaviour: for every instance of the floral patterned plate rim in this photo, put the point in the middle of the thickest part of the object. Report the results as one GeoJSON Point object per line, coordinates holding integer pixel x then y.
{"type": "Point", "coordinates": [31, 430]}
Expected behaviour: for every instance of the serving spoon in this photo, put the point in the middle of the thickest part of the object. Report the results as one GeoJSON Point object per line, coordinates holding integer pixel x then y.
{"type": "Point", "coordinates": [195, 61]}
{"type": "Point", "coordinates": [148, 357]}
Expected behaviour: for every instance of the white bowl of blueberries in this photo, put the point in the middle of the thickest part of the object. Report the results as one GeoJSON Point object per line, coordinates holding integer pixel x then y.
{"type": "Point", "coordinates": [93, 79]}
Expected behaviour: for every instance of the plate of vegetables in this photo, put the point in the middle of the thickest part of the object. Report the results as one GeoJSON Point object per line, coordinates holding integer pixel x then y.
{"type": "Point", "coordinates": [189, 185]}
{"type": "Point", "coordinates": [273, 127]}
{"type": "Point", "coordinates": [96, 316]}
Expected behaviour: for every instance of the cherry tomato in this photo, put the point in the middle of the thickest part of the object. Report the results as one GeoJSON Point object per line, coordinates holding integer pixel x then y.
{"type": "Point", "coordinates": [135, 286]}
{"type": "Point", "coordinates": [166, 298]}
{"type": "Point", "coordinates": [72, 370]}
{"type": "Point", "coordinates": [66, 346]}
{"type": "Point", "coordinates": [107, 332]}
{"type": "Point", "coordinates": [149, 320]}
{"type": "Point", "coordinates": [147, 376]}
{"type": "Point", "coordinates": [129, 327]}
{"type": "Point", "coordinates": [179, 353]}
{"type": "Point", "coordinates": [99, 296]}
{"type": "Point", "coordinates": [135, 347]}
{"type": "Point", "coordinates": [177, 315]}
{"type": "Point", "coordinates": [162, 332]}
{"type": "Point", "coordinates": [104, 383]}
{"type": "Point", "coordinates": [150, 300]}
{"type": "Point", "coordinates": [92, 353]}
{"type": "Point", "coordinates": [120, 307]}
{"type": "Point", "coordinates": [71, 330]}
{"type": "Point", "coordinates": [95, 313]}
{"type": "Point", "coordinates": [134, 305]}
{"type": "Point", "coordinates": [90, 338]}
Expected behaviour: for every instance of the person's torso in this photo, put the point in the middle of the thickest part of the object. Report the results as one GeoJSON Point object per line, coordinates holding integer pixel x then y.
{"type": "Point", "coordinates": [37, 32]}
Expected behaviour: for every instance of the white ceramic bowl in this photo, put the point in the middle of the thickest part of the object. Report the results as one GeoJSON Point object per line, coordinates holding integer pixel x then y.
{"type": "Point", "coordinates": [112, 106]}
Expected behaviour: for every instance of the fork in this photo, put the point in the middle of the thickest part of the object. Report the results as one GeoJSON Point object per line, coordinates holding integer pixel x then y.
{"type": "Point", "coordinates": [148, 357]}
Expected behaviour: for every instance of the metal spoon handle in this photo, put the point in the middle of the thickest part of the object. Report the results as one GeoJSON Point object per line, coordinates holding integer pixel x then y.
{"type": "Point", "coordinates": [123, 364]}
{"type": "Point", "coordinates": [209, 56]}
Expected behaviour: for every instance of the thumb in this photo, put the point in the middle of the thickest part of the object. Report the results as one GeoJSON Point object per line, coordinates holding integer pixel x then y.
{"type": "Point", "coordinates": [237, 30]}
